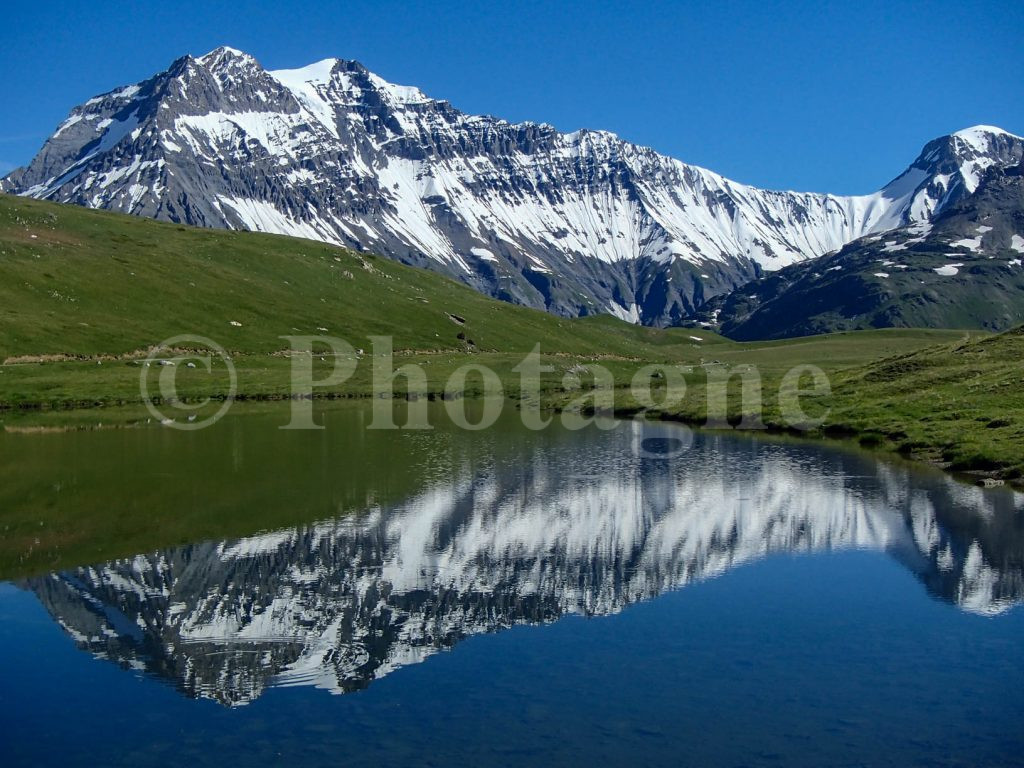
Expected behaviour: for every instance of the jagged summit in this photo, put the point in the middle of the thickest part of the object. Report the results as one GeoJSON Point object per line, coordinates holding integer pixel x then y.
{"type": "Point", "coordinates": [329, 70]}
{"type": "Point", "coordinates": [225, 55]}
{"type": "Point", "coordinates": [576, 223]}
{"type": "Point", "coordinates": [966, 154]}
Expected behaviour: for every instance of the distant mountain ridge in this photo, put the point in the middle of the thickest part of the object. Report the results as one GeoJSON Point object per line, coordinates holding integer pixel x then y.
{"type": "Point", "coordinates": [577, 223]}
{"type": "Point", "coordinates": [964, 269]}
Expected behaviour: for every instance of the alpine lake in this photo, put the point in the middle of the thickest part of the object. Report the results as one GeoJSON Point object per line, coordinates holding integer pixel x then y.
{"type": "Point", "coordinates": [637, 595]}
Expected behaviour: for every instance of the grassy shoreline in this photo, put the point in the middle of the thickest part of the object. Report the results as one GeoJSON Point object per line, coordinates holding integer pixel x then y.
{"type": "Point", "coordinates": [945, 408]}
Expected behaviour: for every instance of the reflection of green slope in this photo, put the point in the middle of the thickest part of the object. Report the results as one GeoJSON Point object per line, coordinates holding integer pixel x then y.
{"type": "Point", "coordinates": [81, 497]}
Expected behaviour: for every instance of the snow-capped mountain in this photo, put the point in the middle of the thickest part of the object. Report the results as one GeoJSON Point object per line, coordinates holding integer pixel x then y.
{"type": "Point", "coordinates": [347, 601]}
{"type": "Point", "coordinates": [577, 223]}
{"type": "Point", "coordinates": [962, 269]}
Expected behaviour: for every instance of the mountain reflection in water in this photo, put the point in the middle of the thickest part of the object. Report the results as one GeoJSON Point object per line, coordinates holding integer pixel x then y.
{"type": "Point", "coordinates": [583, 527]}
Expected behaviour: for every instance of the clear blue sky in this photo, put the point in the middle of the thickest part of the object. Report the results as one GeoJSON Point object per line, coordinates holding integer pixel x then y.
{"type": "Point", "coordinates": [812, 96]}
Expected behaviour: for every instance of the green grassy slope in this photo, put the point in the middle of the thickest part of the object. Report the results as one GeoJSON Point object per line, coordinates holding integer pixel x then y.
{"type": "Point", "coordinates": [960, 404]}
{"type": "Point", "coordinates": [79, 282]}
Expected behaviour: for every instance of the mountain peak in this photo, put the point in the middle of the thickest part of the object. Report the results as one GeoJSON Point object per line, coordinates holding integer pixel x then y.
{"type": "Point", "coordinates": [977, 131]}
{"type": "Point", "coordinates": [317, 72]}
{"type": "Point", "coordinates": [225, 56]}
{"type": "Point", "coordinates": [982, 140]}
{"type": "Point", "coordinates": [323, 72]}
{"type": "Point", "coordinates": [951, 167]}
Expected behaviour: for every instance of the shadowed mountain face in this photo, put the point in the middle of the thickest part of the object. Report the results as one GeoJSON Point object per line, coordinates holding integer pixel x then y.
{"type": "Point", "coordinates": [576, 223]}
{"type": "Point", "coordinates": [964, 269]}
{"type": "Point", "coordinates": [343, 602]}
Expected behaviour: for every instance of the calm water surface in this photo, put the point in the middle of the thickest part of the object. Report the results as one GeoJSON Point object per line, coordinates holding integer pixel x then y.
{"type": "Point", "coordinates": [246, 596]}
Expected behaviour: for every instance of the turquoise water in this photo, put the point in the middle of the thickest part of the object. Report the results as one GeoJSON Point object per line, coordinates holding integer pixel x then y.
{"type": "Point", "coordinates": [558, 598]}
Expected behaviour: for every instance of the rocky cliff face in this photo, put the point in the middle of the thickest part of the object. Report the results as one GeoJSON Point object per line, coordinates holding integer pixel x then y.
{"type": "Point", "coordinates": [576, 223]}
